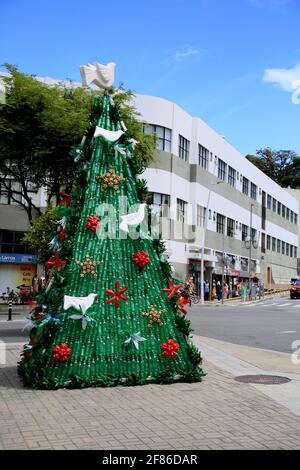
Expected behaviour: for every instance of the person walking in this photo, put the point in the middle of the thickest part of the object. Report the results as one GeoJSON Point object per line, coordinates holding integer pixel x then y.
{"type": "Point", "coordinates": [206, 290]}
{"type": "Point", "coordinates": [219, 290]}
{"type": "Point", "coordinates": [213, 291]}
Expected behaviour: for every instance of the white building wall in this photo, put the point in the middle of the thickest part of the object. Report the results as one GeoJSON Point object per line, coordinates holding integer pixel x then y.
{"type": "Point", "coordinates": [164, 113]}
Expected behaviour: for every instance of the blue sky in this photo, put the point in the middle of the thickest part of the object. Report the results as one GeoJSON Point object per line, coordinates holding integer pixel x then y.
{"type": "Point", "coordinates": [234, 63]}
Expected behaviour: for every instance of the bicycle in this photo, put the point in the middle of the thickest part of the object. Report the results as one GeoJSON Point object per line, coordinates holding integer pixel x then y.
{"type": "Point", "coordinates": [193, 297]}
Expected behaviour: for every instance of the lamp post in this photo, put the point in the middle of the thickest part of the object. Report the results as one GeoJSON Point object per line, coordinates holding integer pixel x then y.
{"type": "Point", "coordinates": [203, 242]}
{"type": "Point", "coordinates": [223, 263]}
{"type": "Point", "coordinates": [249, 242]}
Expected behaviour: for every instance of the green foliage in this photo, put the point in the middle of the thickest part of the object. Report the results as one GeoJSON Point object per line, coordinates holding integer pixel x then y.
{"type": "Point", "coordinates": [183, 324]}
{"type": "Point", "coordinates": [40, 123]}
{"type": "Point", "coordinates": [142, 190]}
{"type": "Point", "coordinates": [38, 237]}
{"type": "Point", "coordinates": [282, 166]}
{"type": "Point", "coordinates": [194, 354]}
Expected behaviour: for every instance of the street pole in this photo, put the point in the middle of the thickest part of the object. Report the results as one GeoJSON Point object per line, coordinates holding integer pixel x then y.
{"type": "Point", "coordinates": [9, 311]}
{"type": "Point", "coordinates": [202, 249]}
{"type": "Point", "coordinates": [250, 253]}
{"type": "Point", "coordinates": [203, 243]}
{"type": "Point", "coordinates": [223, 263]}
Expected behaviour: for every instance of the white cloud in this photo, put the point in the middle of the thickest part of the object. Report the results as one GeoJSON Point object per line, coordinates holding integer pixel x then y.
{"type": "Point", "coordinates": [286, 79]}
{"type": "Point", "coordinates": [185, 52]}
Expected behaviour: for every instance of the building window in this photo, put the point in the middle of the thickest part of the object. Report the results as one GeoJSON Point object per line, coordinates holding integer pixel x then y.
{"type": "Point", "coordinates": [287, 249]}
{"type": "Point", "coordinates": [288, 213]}
{"type": "Point", "coordinates": [283, 247]}
{"type": "Point", "coordinates": [295, 252]}
{"type": "Point", "coordinates": [160, 204]}
{"type": "Point", "coordinates": [295, 219]}
{"type": "Point", "coordinates": [278, 246]}
{"type": "Point", "coordinates": [268, 242]}
{"type": "Point", "coordinates": [244, 232]}
{"type": "Point", "coordinates": [245, 187]}
{"type": "Point", "coordinates": [8, 193]}
{"type": "Point", "coordinates": [230, 227]}
{"type": "Point", "coordinates": [269, 201]}
{"type": "Point", "coordinates": [253, 234]}
{"type": "Point", "coordinates": [181, 210]}
{"type": "Point", "coordinates": [231, 176]}
{"type": "Point", "coordinates": [279, 208]}
{"type": "Point", "coordinates": [274, 205]}
{"type": "Point", "coordinates": [263, 243]}
{"type": "Point", "coordinates": [163, 136]}
{"type": "Point", "coordinates": [203, 155]}
{"type": "Point", "coordinates": [253, 191]}
{"type": "Point", "coordinates": [184, 148]}
{"type": "Point", "coordinates": [221, 170]}
{"type": "Point", "coordinates": [273, 244]}
{"type": "Point", "coordinates": [291, 251]}
{"type": "Point", "coordinates": [10, 242]}
{"type": "Point", "coordinates": [201, 214]}
{"type": "Point", "coordinates": [220, 223]}
{"type": "Point", "coordinates": [283, 211]}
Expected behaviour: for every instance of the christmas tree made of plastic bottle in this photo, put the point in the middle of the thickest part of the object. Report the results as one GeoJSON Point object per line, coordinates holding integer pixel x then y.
{"type": "Point", "coordinates": [111, 313]}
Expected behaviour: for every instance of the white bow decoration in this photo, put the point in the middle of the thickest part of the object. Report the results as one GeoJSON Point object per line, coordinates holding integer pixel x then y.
{"type": "Point", "coordinates": [81, 304]}
{"type": "Point", "coordinates": [111, 136]}
{"type": "Point", "coordinates": [101, 75]}
{"type": "Point", "coordinates": [135, 218]}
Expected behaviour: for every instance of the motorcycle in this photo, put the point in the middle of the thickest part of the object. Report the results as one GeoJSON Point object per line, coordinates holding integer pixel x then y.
{"type": "Point", "coordinates": [10, 296]}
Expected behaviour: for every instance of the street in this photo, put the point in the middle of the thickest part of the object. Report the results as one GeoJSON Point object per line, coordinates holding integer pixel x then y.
{"type": "Point", "coordinates": [271, 324]}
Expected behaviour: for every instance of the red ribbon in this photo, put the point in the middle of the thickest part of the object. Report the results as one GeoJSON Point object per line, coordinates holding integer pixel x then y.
{"type": "Point", "coordinates": [169, 349]}
{"type": "Point", "coordinates": [55, 262]}
{"type": "Point", "coordinates": [141, 259]}
{"type": "Point", "coordinates": [62, 235]}
{"type": "Point", "coordinates": [66, 199]}
{"type": "Point", "coordinates": [61, 352]}
{"type": "Point", "coordinates": [172, 289]}
{"type": "Point", "coordinates": [92, 223]}
{"type": "Point", "coordinates": [182, 302]}
{"type": "Point", "coordinates": [117, 295]}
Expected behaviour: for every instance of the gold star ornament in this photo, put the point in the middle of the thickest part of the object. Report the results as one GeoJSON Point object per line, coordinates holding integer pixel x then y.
{"type": "Point", "coordinates": [153, 316]}
{"type": "Point", "coordinates": [88, 266]}
{"type": "Point", "coordinates": [110, 180]}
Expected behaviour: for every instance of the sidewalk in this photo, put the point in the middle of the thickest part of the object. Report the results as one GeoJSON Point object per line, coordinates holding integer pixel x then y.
{"type": "Point", "coordinates": [219, 413]}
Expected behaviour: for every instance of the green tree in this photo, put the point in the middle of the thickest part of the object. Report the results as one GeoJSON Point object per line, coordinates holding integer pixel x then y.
{"type": "Point", "coordinates": [110, 315]}
{"type": "Point", "coordinates": [38, 126]}
{"type": "Point", "coordinates": [277, 164]}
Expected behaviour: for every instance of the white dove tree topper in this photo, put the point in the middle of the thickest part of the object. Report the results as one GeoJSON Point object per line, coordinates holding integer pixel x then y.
{"type": "Point", "coordinates": [100, 75]}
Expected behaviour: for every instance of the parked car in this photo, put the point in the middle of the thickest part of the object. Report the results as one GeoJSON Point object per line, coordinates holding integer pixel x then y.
{"type": "Point", "coordinates": [295, 290]}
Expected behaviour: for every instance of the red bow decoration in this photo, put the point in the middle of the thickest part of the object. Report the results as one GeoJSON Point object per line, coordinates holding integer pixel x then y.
{"type": "Point", "coordinates": [117, 295]}
{"type": "Point", "coordinates": [66, 199]}
{"type": "Point", "coordinates": [172, 289]}
{"type": "Point", "coordinates": [92, 223]}
{"type": "Point", "coordinates": [55, 262]}
{"type": "Point", "coordinates": [169, 349]}
{"type": "Point", "coordinates": [27, 355]}
{"type": "Point", "coordinates": [182, 302]}
{"type": "Point", "coordinates": [62, 235]}
{"type": "Point", "coordinates": [61, 352]}
{"type": "Point", "coordinates": [141, 259]}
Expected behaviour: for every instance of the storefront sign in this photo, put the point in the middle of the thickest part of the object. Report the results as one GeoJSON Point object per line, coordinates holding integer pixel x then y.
{"type": "Point", "coordinates": [233, 272]}
{"type": "Point", "coordinates": [11, 258]}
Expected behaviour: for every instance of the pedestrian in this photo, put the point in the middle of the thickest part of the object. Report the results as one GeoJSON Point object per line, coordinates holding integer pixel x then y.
{"type": "Point", "coordinates": [213, 291]}
{"type": "Point", "coordinates": [206, 290]}
{"type": "Point", "coordinates": [219, 290]}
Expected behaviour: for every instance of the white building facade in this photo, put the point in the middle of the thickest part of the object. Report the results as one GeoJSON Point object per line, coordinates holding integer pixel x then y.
{"type": "Point", "coordinates": [249, 215]}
